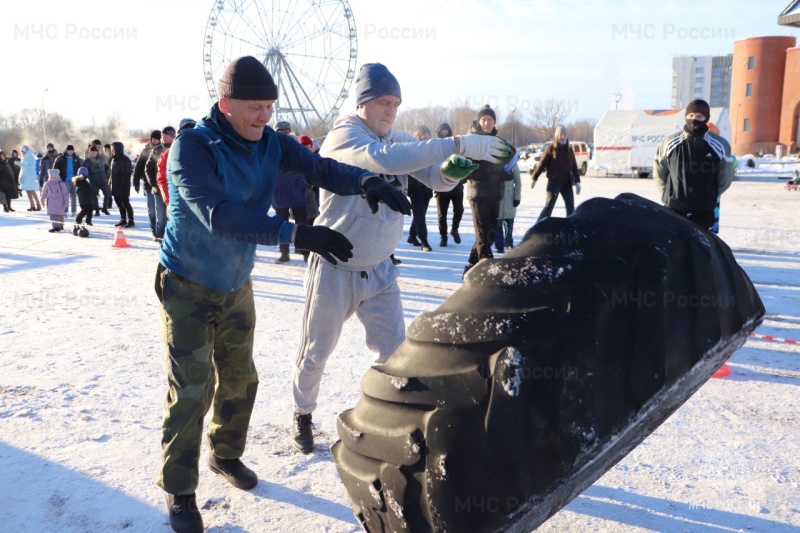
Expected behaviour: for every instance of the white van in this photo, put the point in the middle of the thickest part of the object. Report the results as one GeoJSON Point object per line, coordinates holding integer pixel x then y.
{"type": "Point", "coordinates": [582, 156]}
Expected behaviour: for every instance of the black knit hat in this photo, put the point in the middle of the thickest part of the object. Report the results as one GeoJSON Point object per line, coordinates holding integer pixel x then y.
{"type": "Point", "coordinates": [373, 81]}
{"type": "Point", "coordinates": [69, 147]}
{"type": "Point", "coordinates": [169, 130]}
{"type": "Point", "coordinates": [246, 78]}
{"type": "Point", "coordinates": [699, 106]}
{"type": "Point", "coordinates": [155, 134]}
{"type": "Point", "coordinates": [486, 110]}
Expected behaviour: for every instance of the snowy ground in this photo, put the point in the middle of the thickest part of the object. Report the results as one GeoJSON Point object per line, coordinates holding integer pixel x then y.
{"type": "Point", "coordinates": [82, 383]}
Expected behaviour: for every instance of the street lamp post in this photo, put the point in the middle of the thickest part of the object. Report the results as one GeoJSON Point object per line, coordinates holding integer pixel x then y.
{"type": "Point", "coordinates": [617, 98]}
{"type": "Point", "coordinates": [513, 127]}
{"type": "Point", "coordinates": [44, 127]}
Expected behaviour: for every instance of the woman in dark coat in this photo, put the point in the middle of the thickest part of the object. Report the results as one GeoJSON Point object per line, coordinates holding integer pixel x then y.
{"type": "Point", "coordinates": [121, 169]}
{"type": "Point", "coordinates": [8, 184]}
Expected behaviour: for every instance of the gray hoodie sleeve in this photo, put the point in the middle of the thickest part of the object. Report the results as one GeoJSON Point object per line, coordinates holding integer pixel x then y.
{"type": "Point", "coordinates": [352, 142]}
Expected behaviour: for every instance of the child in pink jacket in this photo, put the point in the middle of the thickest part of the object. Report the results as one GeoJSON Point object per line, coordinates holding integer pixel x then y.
{"type": "Point", "coordinates": [55, 196]}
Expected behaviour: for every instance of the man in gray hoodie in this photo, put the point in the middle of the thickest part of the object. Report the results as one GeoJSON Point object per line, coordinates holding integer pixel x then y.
{"type": "Point", "coordinates": [367, 284]}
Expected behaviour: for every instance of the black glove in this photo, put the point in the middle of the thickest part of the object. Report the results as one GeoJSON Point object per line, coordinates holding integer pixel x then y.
{"type": "Point", "coordinates": [378, 189]}
{"type": "Point", "coordinates": [324, 241]}
{"type": "Point", "coordinates": [516, 203]}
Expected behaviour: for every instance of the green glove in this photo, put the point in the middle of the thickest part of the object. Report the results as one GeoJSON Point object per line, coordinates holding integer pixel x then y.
{"type": "Point", "coordinates": [458, 167]}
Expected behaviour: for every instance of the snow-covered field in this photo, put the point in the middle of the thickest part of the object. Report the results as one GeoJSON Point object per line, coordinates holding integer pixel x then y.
{"type": "Point", "coordinates": [82, 383]}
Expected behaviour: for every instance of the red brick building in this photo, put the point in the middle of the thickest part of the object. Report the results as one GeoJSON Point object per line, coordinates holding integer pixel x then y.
{"type": "Point", "coordinates": [790, 106]}
{"type": "Point", "coordinates": [765, 94]}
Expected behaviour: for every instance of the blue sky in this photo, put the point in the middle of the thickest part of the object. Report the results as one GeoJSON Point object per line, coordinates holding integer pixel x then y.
{"type": "Point", "coordinates": [143, 59]}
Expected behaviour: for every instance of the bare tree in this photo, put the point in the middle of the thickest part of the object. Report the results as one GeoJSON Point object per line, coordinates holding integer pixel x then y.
{"type": "Point", "coordinates": [548, 116]}
{"type": "Point", "coordinates": [582, 130]}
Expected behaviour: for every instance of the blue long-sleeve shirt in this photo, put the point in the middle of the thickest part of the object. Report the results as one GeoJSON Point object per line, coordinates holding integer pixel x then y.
{"type": "Point", "coordinates": [221, 187]}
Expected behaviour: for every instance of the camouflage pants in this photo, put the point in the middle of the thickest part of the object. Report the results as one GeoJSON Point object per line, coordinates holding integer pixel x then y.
{"type": "Point", "coordinates": [209, 344]}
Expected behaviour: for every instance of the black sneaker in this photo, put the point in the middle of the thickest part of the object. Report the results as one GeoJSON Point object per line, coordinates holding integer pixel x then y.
{"type": "Point", "coordinates": [413, 241]}
{"type": "Point", "coordinates": [395, 261]}
{"type": "Point", "coordinates": [456, 236]}
{"type": "Point", "coordinates": [302, 436]}
{"type": "Point", "coordinates": [105, 211]}
{"type": "Point", "coordinates": [234, 471]}
{"type": "Point", "coordinates": [443, 241]}
{"type": "Point", "coordinates": [184, 517]}
{"type": "Point", "coordinates": [130, 224]}
{"type": "Point", "coordinates": [121, 223]}
{"type": "Point", "coordinates": [284, 258]}
{"type": "Point", "coordinates": [425, 246]}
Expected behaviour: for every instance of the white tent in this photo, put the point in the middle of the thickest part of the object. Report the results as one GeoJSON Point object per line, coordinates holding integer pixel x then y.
{"type": "Point", "coordinates": [625, 141]}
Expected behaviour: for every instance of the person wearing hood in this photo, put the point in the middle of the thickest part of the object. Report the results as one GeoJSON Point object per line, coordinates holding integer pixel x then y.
{"type": "Point", "coordinates": [8, 186]}
{"type": "Point", "coordinates": [445, 198]}
{"type": "Point", "coordinates": [47, 163]}
{"type": "Point", "coordinates": [121, 168]}
{"type": "Point", "coordinates": [558, 161]}
{"type": "Point", "coordinates": [367, 285]}
{"type": "Point", "coordinates": [485, 188]}
{"type": "Point", "coordinates": [692, 167]}
{"type": "Point", "coordinates": [55, 197]}
{"type": "Point", "coordinates": [28, 179]}
{"type": "Point", "coordinates": [221, 177]}
{"type": "Point", "coordinates": [67, 165]}
{"type": "Point", "coordinates": [86, 195]}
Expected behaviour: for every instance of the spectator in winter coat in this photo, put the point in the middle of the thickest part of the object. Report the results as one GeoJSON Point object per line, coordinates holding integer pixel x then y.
{"type": "Point", "coordinates": [161, 175]}
{"type": "Point", "coordinates": [29, 179]}
{"type": "Point", "coordinates": [8, 186]}
{"type": "Point", "coordinates": [39, 156]}
{"type": "Point", "coordinates": [367, 285]}
{"type": "Point", "coordinates": [139, 176]}
{"type": "Point", "coordinates": [107, 154]}
{"type": "Point", "coordinates": [420, 196]}
{"type": "Point", "coordinates": [558, 160]}
{"type": "Point", "coordinates": [67, 165]}
{"type": "Point", "coordinates": [692, 168]}
{"type": "Point", "coordinates": [103, 186]}
{"type": "Point", "coordinates": [55, 196]}
{"type": "Point", "coordinates": [444, 198]}
{"type": "Point", "coordinates": [290, 200]}
{"type": "Point", "coordinates": [86, 194]}
{"type": "Point", "coordinates": [99, 171]}
{"type": "Point", "coordinates": [312, 192]}
{"type": "Point", "coordinates": [485, 189]}
{"type": "Point", "coordinates": [508, 210]}
{"type": "Point", "coordinates": [121, 184]}
{"type": "Point", "coordinates": [47, 163]}
{"type": "Point", "coordinates": [156, 208]}
{"type": "Point", "coordinates": [222, 177]}
{"type": "Point", "coordinates": [14, 162]}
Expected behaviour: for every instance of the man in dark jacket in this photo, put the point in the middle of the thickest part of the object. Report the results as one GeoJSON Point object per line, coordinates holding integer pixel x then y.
{"type": "Point", "coordinates": [47, 163]}
{"type": "Point", "coordinates": [99, 171]}
{"type": "Point", "coordinates": [140, 177]}
{"type": "Point", "coordinates": [121, 184]}
{"type": "Point", "coordinates": [444, 198]}
{"type": "Point", "coordinates": [692, 168]}
{"type": "Point", "coordinates": [68, 164]}
{"type": "Point", "coordinates": [558, 161]}
{"type": "Point", "coordinates": [221, 177]}
{"type": "Point", "coordinates": [156, 208]}
{"type": "Point", "coordinates": [485, 187]}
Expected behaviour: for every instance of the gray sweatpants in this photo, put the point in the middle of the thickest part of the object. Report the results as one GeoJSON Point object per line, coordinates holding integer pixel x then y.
{"type": "Point", "coordinates": [332, 296]}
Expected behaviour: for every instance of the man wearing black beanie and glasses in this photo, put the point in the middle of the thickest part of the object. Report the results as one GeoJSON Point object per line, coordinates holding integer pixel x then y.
{"type": "Point", "coordinates": [221, 179]}
{"type": "Point", "coordinates": [692, 168]}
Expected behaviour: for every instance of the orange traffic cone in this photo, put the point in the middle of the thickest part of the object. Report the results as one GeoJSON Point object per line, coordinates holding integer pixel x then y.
{"type": "Point", "coordinates": [723, 371]}
{"type": "Point", "coordinates": [120, 240]}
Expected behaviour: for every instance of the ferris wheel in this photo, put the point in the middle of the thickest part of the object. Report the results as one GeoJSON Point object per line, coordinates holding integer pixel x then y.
{"type": "Point", "coordinates": [309, 47]}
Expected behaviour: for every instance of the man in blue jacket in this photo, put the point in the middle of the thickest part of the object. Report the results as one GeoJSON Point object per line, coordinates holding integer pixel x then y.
{"type": "Point", "coordinates": [222, 177]}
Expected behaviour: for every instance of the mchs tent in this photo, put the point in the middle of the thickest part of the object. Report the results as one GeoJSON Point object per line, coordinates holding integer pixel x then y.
{"type": "Point", "coordinates": [625, 141]}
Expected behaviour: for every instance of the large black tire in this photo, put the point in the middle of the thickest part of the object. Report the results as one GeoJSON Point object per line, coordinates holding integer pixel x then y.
{"type": "Point", "coordinates": [584, 168]}
{"type": "Point", "coordinates": [545, 369]}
